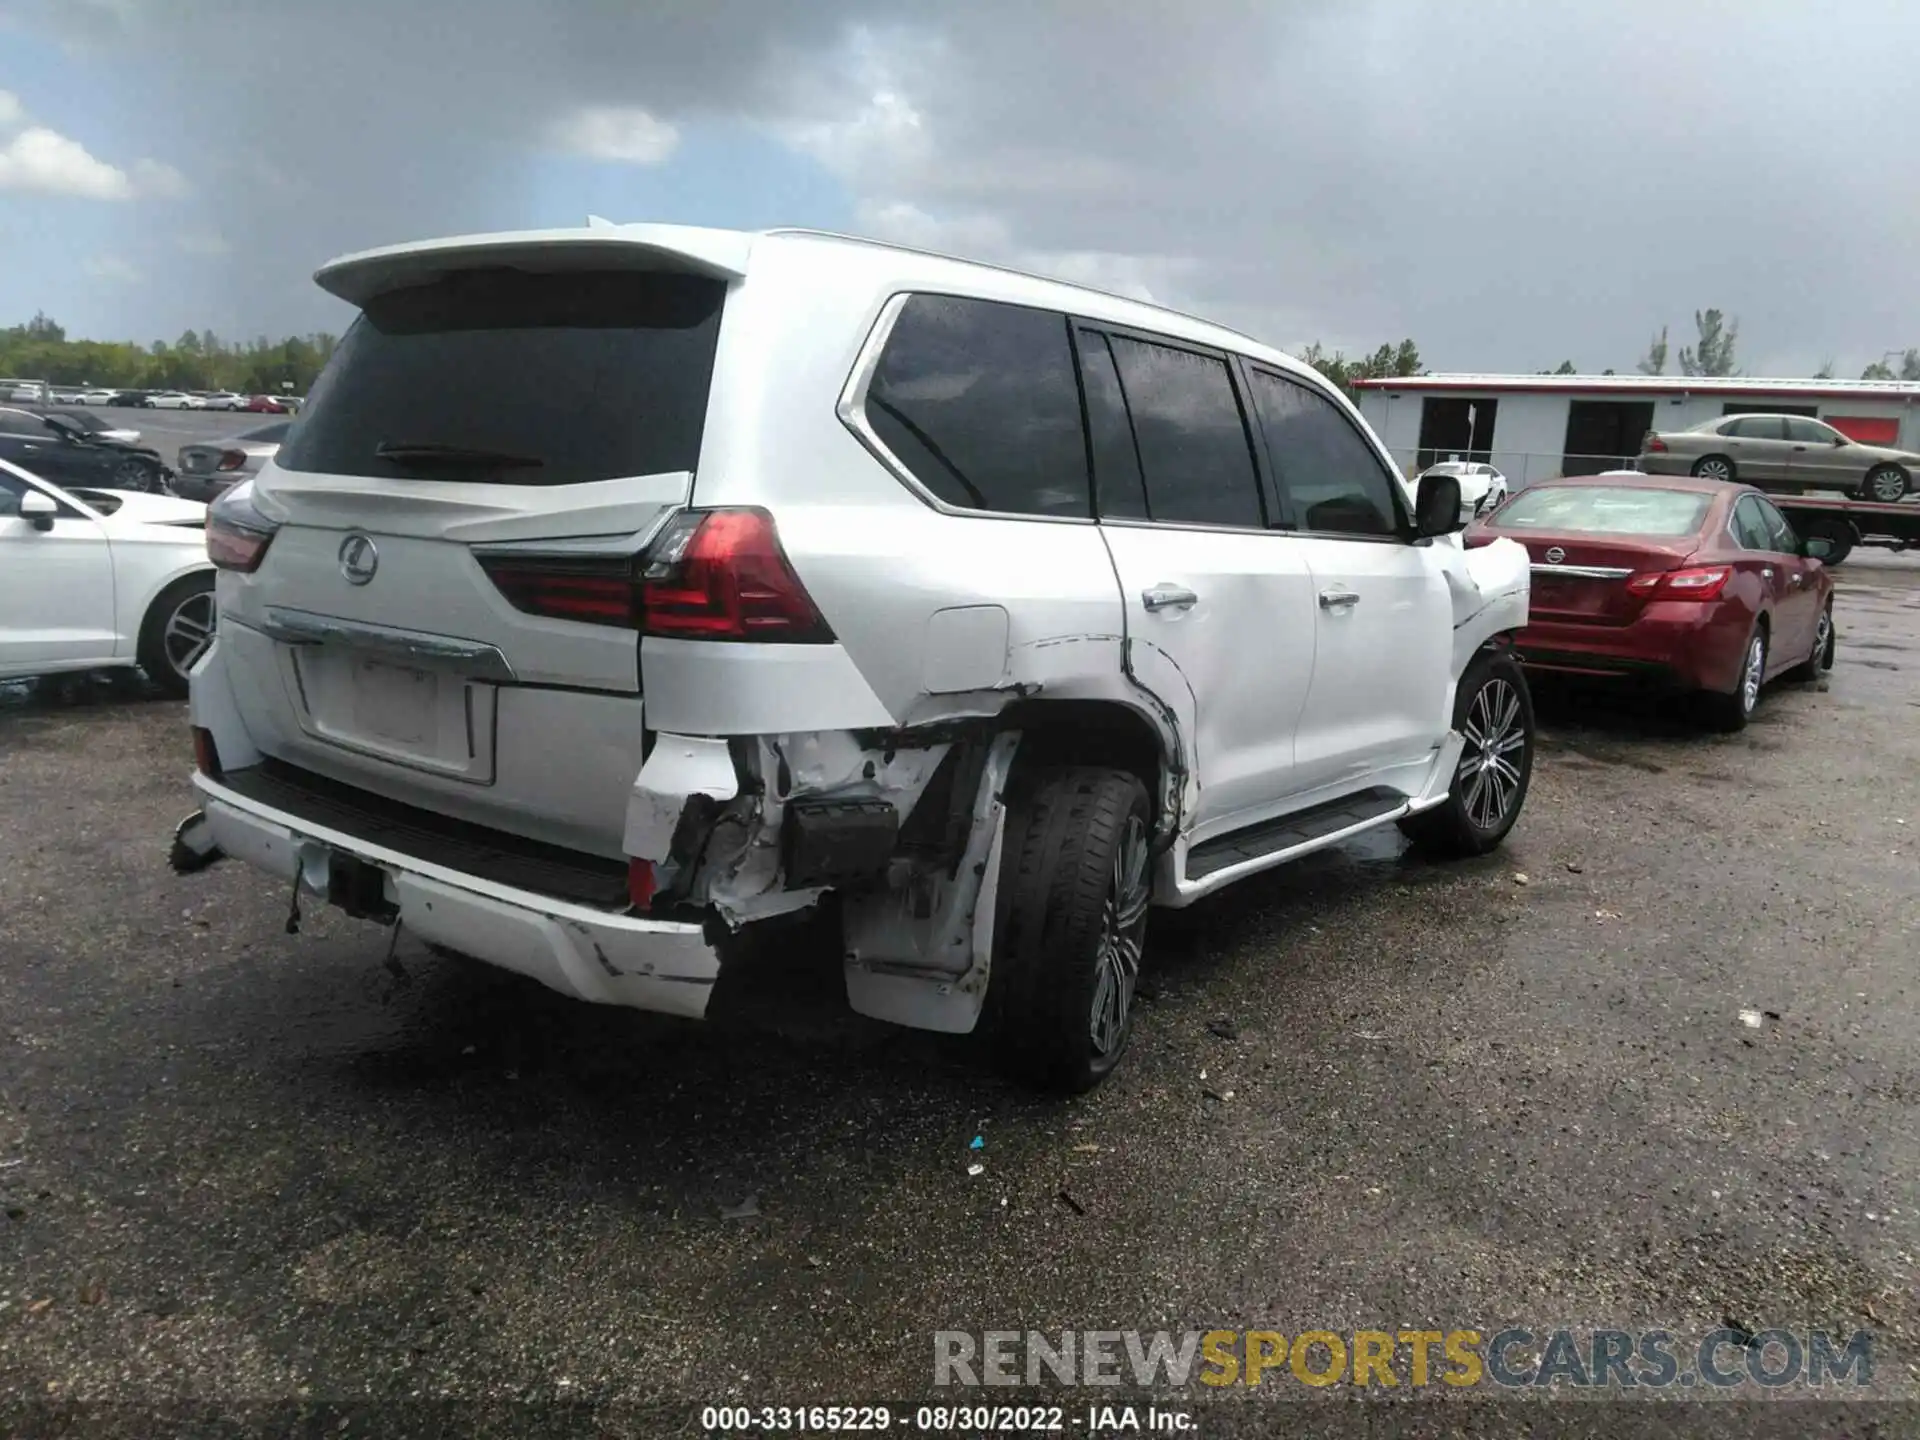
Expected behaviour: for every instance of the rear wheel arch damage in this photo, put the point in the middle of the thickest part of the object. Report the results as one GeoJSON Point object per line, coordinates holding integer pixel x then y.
{"type": "Point", "coordinates": [727, 826]}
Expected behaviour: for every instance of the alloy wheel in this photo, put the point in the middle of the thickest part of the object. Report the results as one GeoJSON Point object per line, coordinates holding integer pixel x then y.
{"type": "Point", "coordinates": [189, 631]}
{"type": "Point", "coordinates": [1823, 641]}
{"type": "Point", "coordinates": [1714, 470]}
{"type": "Point", "coordinates": [1751, 674]}
{"type": "Point", "coordinates": [1886, 486]}
{"type": "Point", "coordinates": [1123, 924]}
{"type": "Point", "coordinates": [132, 475]}
{"type": "Point", "coordinates": [1488, 776]}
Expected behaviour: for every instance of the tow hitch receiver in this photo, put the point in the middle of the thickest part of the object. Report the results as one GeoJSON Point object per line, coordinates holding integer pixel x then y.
{"type": "Point", "coordinates": [359, 889]}
{"type": "Point", "coordinates": [193, 846]}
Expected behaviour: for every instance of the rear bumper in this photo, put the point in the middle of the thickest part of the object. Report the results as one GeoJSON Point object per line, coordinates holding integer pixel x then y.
{"type": "Point", "coordinates": [1672, 645]}
{"type": "Point", "coordinates": [590, 954]}
{"type": "Point", "coordinates": [205, 488]}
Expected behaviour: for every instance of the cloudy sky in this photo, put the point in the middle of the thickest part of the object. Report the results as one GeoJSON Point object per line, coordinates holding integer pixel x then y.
{"type": "Point", "coordinates": [1509, 182]}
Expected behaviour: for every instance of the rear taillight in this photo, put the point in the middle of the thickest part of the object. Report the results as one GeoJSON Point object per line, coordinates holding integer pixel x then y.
{"type": "Point", "coordinates": [237, 533]}
{"type": "Point", "coordinates": [721, 575]}
{"type": "Point", "coordinates": [641, 883]}
{"type": "Point", "coordinates": [206, 755]}
{"type": "Point", "coordinates": [1654, 445]}
{"type": "Point", "coordinates": [598, 590]}
{"type": "Point", "coordinates": [231, 459]}
{"type": "Point", "coordinates": [235, 547]}
{"type": "Point", "coordinates": [1704, 582]}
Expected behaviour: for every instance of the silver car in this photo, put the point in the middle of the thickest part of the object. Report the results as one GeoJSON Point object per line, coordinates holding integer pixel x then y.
{"type": "Point", "coordinates": [1792, 452]}
{"type": "Point", "coordinates": [206, 468]}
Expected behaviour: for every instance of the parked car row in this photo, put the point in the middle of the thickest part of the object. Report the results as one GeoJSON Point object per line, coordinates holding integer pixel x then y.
{"type": "Point", "coordinates": [37, 392]}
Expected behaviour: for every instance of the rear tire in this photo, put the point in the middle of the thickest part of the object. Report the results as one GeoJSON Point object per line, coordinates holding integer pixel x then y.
{"type": "Point", "coordinates": [1070, 925]}
{"type": "Point", "coordinates": [1820, 660]}
{"type": "Point", "coordinates": [1713, 467]}
{"type": "Point", "coordinates": [176, 632]}
{"type": "Point", "coordinates": [1885, 485]}
{"type": "Point", "coordinates": [1730, 713]}
{"type": "Point", "coordinates": [1493, 709]}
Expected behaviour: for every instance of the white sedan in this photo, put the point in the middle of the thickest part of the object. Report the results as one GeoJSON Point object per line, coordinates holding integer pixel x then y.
{"type": "Point", "coordinates": [1482, 488]}
{"type": "Point", "coordinates": [101, 579]}
{"type": "Point", "coordinates": [174, 400]}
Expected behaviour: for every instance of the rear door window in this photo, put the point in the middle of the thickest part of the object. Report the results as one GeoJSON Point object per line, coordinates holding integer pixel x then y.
{"type": "Point", "coordinates": [1749, 526]}
{"type": "Point", "coordinates": [1780, 535]}
{"type": "Point", "coordinates": [1333, 480]}
{"type": "Point", "coordinates": [517, 378]}
{"type": "Point", "coordinates": [1756, 427]}
{"type": "Point", "coordinates": [1121, 489]}
{"type": "Point", "coordinates": [978, 401]}
{"type": "Point", "coordinates": [1192, 439]}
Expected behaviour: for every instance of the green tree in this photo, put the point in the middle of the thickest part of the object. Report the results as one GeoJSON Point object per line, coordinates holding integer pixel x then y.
{"type": "Point", "coordinates": [1655, 362]}
{"type": "Point", "coordinates": [199, 360]}
{"type": "Point", "coordinates": [1714, 354]}
{"type": "Point", "coordinates": [1825, 372]}
{"type": "Point", "coordinates": [1878, 370]}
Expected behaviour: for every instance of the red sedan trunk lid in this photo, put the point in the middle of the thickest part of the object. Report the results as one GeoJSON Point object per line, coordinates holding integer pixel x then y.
{"type": "Point", "coordinates": [1582, 579]}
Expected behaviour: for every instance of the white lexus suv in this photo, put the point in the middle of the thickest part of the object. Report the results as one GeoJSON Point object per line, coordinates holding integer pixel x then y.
{"type": "Point", "coordinates": [994, 608]}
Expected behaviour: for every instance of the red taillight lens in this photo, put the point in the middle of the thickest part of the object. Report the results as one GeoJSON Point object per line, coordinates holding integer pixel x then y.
{"type": "Point", "coordinates": [597, 590]}
{"type": "Point", "coordinates": [721, 575]}
{"type": "Point", "coordinates": [1704, 582]}
{"type": "Point", "coordinates": [206, 755]}
{"type": "Point", "coordinates": [235, 547]}
{"type": "Point", "coordinates": [231, 459]}
{"type": "Point", "coordinates": [1655, 445]}
{"type": "Point", "coordinates": [641, 883]}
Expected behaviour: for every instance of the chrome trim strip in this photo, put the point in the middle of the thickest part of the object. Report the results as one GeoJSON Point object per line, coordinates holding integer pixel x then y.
{"type": "Point", "coordinates": [477, 660]}
{"type": "Point", "coordinates": [1584, 572]}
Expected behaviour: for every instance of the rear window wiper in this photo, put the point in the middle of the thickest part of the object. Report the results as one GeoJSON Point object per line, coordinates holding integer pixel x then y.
{"type": "Point", "coordinates": [427, 453]}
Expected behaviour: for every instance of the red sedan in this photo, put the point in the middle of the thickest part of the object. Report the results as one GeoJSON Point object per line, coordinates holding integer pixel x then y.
{"type": "Point", "coordinates": [266, 405]}
{"type": "Point", "coordinates": [1688, 584]}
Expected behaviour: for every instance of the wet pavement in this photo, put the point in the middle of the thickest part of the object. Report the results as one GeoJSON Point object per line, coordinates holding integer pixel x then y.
{"type": "Point", "coordinates": [243, 1167]}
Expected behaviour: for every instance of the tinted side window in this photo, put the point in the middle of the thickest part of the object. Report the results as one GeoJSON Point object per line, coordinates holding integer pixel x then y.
{"type": "Point", "coordinates": [21, 422]}
{"type": "Point", "coordinates": [1780, 534]}
{"type": "Point", "coordinates": [515, 378]}
{"type": "Point", "coordinates": [1192, 439]}
{"type": "Point", "coordinates": [979, 401]}
{"type": "Point", "coordinates": [1756, 427]}
{"type": "Point", "coordinates": [1810, 432]}
{"type": "Point", "coordinates": [1748, 528]}
{"type": "Point", "coordinates": [1121, 490]}
{"type": "Point", "coordinates": [1329, 474]}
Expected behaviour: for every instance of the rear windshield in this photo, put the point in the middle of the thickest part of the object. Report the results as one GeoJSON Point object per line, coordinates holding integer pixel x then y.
{"type": "Point", "coordinates": [1605, 510]}
{"type": "Point", "coordinates": [517, 378]}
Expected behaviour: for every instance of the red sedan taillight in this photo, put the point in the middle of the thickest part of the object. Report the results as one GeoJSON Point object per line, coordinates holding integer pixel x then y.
{"type": "Point", "coordinates": [1654, 445]}
{"type": "Point", "coordinates": [231, 459]}
{"type": "Point", "coordinates": [1700, 582]}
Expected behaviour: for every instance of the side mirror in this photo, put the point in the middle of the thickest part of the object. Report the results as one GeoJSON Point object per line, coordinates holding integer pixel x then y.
{"type": "Point", "coordinates": [38, 508]}
{"type": "Point", "coordinates": [1436, 508]}
{"type": "Point", "coordinates": [1816, 547]}
{"type": "Point", "coordinates": [1839, 440]}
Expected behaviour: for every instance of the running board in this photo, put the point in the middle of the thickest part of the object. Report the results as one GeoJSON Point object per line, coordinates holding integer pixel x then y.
{"type": "Point", "coordinates": [1272, 841]}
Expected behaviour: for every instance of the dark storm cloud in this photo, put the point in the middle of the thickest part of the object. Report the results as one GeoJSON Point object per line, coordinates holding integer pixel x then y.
{"type": "Point", "coordinates": [1510, 182]}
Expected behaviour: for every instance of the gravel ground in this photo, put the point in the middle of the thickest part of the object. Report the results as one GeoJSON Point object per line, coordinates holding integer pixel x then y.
{"type": "Point", "coordinates": [245, 1168]}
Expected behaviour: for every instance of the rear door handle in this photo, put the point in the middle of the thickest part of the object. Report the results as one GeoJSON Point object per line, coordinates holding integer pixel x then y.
{"type": "Point", "coordinates": [1168, 597]}
{"type": "Point", "coordinates": [1338, 599]}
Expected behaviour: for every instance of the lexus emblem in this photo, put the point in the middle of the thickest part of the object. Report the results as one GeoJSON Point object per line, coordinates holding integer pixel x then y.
{"type": "Point", "coordinates": [358, 559]}
{"type": "Point", "coordinates": [1554, 557]}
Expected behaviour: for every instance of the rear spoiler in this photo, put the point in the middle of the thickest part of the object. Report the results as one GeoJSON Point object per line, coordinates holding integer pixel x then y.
{"type": "Point", "coordinates": [686, 249]}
